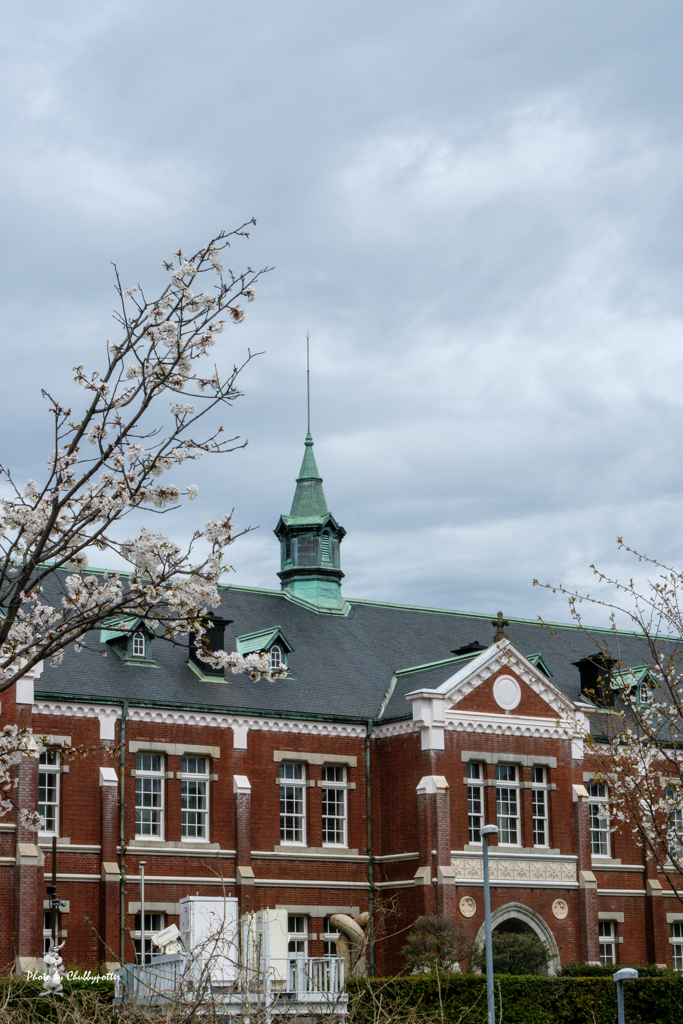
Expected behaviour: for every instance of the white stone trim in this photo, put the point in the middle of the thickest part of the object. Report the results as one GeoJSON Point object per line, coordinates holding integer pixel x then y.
{"type": "Point", "coordinates": [510, 725]}
{"type": "Point", "coordinates": [308, 883]}
{"type": "Point", "coordinates": [394, 729]}
{"type": "Point", "coordinates": [165, 716]}
{"type": "Point", "coordinates": [518, 911]}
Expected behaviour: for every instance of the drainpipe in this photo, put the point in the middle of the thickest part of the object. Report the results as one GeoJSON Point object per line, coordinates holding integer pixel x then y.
{"type": "Point", "coordinates": [122, 835]}
{"type": "Point", "coordinates": [370, 850]}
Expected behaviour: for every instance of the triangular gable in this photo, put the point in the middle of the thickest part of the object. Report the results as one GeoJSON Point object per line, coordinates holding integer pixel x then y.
{"type": "Point", "coordinates": [123, 625]}
{"type": "Point", "coordinates": [500, 680]}
{"type": "Point", "coordinates": [262, 640]}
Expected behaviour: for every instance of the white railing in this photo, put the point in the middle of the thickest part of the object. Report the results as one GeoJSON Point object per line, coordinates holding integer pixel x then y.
{"type": "Point", "coordinates": [304, 979]}
{"type": "Point", "coordinates": [315, 976]}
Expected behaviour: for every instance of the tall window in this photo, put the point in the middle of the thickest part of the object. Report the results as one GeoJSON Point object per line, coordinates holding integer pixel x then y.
{"type": "Point", "coordinates": [307, 549]}
{"type": "Point", "coordinates": [507, 804]}
{"type": "Point", "coordinates": [194, 798]}
{"type": "Point", "coordinates": [138, 645]}
{"type": "Point", "coordinates": [607, 942]}
{"type": "Point", "coordinates": [675, 820]}
{"type": "Point", "coordinates": [275, 657]}
{"type": "Point", "coordinates": [474, 801]}
{"type": "Point", "coordinates": [292, 804]}
{"type": "Point", "coordinates": [334, 805]}
{"type": "Point", "coordinates": [326, 547]}
{"type": "Point", "coordinates": [297, 927]}
{"type": "Point", "coordinates": [598, 813]}
{"type": "Point", "coordinates": [330, 936]}
{"type": "Point", "coordinates": [47, 931]}
{"type": "Point", "coordinates": [149, 796]}
{"type": "Point", "coordinates": [48, 791]}
{"type": "Point", "coordinates": [677, 946]}
{"type": "Point", "coordinates": [154, 923]}
{"type": "Point", "coordinates": [539, 805]}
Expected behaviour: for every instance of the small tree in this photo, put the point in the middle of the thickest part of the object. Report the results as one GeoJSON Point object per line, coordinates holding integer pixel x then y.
{"type": "Point", "coordinates": [435, 942]}
{"type": "Point", "coordinates": [636, 742]}
{"type": "Point", "coordinates": [514, 953]}
{"type": "Point", "coordinates": [140, 416]}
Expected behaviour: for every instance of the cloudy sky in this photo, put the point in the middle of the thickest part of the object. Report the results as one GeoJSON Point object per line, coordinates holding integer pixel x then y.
{"type": "Point", "coordinates": [474, 207]}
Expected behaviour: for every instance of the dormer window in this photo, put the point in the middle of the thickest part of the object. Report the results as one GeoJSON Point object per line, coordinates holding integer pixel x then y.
{"type": "Point", "coordinates": [326, 547]}
{"type": "Point", "coordinates": [644, 693]}
{"type": "Point", "coordinates": [275, 657]}
{"type": "Point", "coordinates": [138, 645]}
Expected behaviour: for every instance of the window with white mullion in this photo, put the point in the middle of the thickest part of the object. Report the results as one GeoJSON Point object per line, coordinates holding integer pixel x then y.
{"type": "Point", "coordinates": [475, 801]}
{"type": "Point", "coordinates": [334, 805]}
{"type": "Point", "coordinates": [507, 804]}
{"type": "Point", "coordinates": [149, 796]}
{"type": "Point", "coordinates": [194, 799]}
{"type": "Point", "coordinates": [539, 805]}
{"type": "Point", "coordinates": [154, 923]}
{"type": "Point", "coordinates": [292, 804]}
{"type": "Point", "coordinates": [607, 942]}
{"type": "Point", "coordinates": [674, 820]}
{"type": "Point", "coordinates": [48, 792]}
{"type": "Point", "coordinates": [677, 947]}
{"type": "Point", "coordinates": [598, 814]}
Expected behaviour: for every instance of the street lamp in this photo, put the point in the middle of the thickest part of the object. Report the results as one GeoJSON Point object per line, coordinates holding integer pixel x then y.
{"type": "Point", "coordinates": [142, 911]}
{"type": "Point", "coordinates": [488, 830]}
{"type": "Point", "coordinates": [625, 974]}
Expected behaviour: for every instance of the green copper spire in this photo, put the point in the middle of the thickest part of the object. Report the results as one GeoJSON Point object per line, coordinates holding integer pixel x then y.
{"type": "Point", "coordinates": [309, 537]}
{"type": "Point", "coordinates": [309, 497]}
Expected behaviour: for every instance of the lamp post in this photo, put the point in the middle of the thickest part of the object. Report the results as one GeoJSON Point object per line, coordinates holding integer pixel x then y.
{"type": "Point", "coordinates": [625, 974]}
{"type": "Point", "coordinates": [488, 830]}
{"type": "Point", "coordinates": [142, 911]}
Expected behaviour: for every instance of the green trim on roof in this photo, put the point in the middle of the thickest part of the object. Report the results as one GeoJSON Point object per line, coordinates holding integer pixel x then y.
{"type": "Point", "coordinates": [539, 662]}
{"type": "Point", "coordinates": [262, 640]}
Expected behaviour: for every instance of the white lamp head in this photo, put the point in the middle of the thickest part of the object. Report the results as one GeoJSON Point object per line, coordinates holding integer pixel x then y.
{"type": "Point", "coordinates": [489, 830]}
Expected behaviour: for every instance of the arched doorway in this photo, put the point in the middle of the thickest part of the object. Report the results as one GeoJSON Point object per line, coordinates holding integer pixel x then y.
{"type": "Point", "coordinates": [515, 917]}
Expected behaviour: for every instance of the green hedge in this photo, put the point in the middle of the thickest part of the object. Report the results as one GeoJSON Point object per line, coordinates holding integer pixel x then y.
{"type": "Point", "coordinates": [607, 970]}
{"type": "Point", "coordinates": [525, 999]}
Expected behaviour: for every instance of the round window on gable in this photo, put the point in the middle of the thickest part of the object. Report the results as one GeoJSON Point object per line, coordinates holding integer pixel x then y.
{"type": "Point", "coordinates": [275, 657]}
{"type": "Point", "coordinates": [138, 645]}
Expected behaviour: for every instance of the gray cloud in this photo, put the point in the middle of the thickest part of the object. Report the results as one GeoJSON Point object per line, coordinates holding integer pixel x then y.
{"type": "Point", "coordinates": [475, 208]}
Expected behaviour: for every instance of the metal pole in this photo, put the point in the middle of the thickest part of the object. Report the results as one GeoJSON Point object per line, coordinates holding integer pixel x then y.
{"type": "Point", "coordinates": [55, 913]}
{"type": "Point", "coordinates": [488, 830]}
{"type": "Point", "coordinates": [142, 910]}
{"type": "Point", "coordinates": [625, 974]}
{"type": "Point", "coordinates": [620, 1002]}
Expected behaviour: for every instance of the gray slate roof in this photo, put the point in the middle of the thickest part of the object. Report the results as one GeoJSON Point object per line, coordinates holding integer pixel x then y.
{"type": "Point", "coordinates": [341, 667]}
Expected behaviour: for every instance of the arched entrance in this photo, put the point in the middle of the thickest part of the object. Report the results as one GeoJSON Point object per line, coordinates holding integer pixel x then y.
{"type": "Point", "coordinates": [515, 917]}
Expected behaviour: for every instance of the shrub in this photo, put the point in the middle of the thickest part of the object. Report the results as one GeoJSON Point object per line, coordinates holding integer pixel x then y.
{"type": "Point", "coordinates": [514, 953]}
{"type": "Point", "coordinates": [435, 942]}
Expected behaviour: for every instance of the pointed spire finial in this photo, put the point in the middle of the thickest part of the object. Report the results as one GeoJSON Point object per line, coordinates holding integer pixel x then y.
{"type": "Point", "coordinates": [308, 381]}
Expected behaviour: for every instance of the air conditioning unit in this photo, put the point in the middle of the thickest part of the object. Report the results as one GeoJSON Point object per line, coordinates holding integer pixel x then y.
{"type": "Point", "coordinates": [265, 946]}
{"type": "Point", "coordinates": [208, 926]}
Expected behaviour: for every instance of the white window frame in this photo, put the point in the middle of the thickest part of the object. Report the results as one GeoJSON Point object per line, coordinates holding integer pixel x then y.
{"type": "Point", "coordinates": [138, 640]}
{"type": "Point", "coordinates": [142, 774]}
{"type": "Point", "coordinates": [598, 819]}
{"type": "Point", "coordinates": [475, 799]}
{"type": "Point", "coordinates": [53, 770]}
{"type": "Point", "coordinates": [329, 938]}
{"type": "Point", "coordinates": [675, 819]}
{"type": "Point", "coordinates": [136, 935]}
{"type": "Point", "coordinates": [338, 787]}
{"type": "Point", "coordinates": [47, 930]}
{"type": "Point", "coordinates": [607, 941]}
{"type": "Point", "coordinates": [292, 790]}
{"type": "Point", "coordinates": [509, 786]}
{"type": "Point", "coordinates": [539, 804]}
{"type": "Point", "coordinates": [276, 657]}
{"type": "Point", "coordinates": [677, 947]}
{"type": "Point", "coordinates": [201, 781]}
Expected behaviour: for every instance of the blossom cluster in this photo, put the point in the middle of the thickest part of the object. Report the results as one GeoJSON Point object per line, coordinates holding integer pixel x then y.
{"type": "Point", "coordinates": [108, 461]}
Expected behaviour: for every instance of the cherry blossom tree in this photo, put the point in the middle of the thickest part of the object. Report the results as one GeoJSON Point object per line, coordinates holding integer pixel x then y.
{"type": "Point", "coordinates": [636, 737]}
{"type": "Point", "coordinates": [142, 415]}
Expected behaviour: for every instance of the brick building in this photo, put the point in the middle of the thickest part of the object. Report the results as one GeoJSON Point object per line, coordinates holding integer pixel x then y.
{"type": "Point", "coordinates": [357, 781]}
